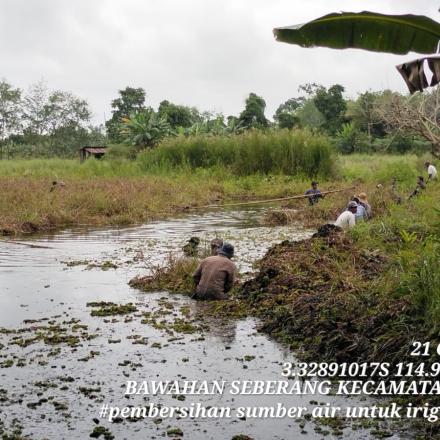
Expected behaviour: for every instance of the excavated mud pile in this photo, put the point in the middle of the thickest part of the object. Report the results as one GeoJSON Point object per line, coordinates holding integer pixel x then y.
{"type": "Point", "coordinates": [323, 296]}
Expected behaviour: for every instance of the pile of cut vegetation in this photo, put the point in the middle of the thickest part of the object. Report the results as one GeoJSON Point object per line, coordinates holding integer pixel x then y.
{"type": "Point", "coordinates": [323, 296]}
{"type": "Point", "coordinates": [175, 275]}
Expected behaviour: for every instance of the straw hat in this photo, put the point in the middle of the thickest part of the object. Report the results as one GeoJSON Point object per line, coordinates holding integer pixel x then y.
{"type": "Point", "coordinates": [362, 197]}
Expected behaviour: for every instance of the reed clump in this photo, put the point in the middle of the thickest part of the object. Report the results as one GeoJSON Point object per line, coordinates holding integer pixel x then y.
{"type": "Point", "coordinates": [297, 152]}
{"type": "Point", "coordinates": [174, 275]}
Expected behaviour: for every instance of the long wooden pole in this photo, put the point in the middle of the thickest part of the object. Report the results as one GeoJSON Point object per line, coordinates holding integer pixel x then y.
{"type": "Point", "coordinates": [256, 202]}
{"type": "Point", "coordinates": [36, 246]}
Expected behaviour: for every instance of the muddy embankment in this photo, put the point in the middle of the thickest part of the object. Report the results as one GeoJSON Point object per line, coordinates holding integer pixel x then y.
{"type": "Point", "coordinates": [323, 296]}
{"type": "Point", "coordinates": [326, 298]}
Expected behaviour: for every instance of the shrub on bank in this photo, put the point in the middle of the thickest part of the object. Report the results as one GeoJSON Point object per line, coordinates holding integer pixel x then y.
{"type": "Point", "coordinates": [298, 152]}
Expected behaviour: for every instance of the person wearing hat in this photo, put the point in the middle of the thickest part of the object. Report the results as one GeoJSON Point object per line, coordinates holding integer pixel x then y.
{"type": "Point", "coordinates": [432, 170]}
{"type": "Point", "coordinates": [214, 277]}
{"type": "Point", "coordinates": [347, 219]}
{"type": "Point", "coordinates": [363, 201]}
{"type": "Point", "coordinates": [313, 194]}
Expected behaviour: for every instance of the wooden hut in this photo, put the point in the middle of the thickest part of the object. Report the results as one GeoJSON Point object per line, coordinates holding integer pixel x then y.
{"type": "Point", "coordinates": [86, 152]}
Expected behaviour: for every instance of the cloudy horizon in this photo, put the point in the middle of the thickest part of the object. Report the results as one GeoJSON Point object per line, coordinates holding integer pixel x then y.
{"type": "Point", "coordinates": [200, 53]}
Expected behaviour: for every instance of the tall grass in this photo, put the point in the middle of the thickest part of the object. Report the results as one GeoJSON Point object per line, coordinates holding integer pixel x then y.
{"type": "Point", "coordinates": [60, 169]}
{"type": "Point", "coordinates": [299, 153]}
{"type": "Point", "coordinates": [381, 168]}
{"type": "Point", "coordinates": [409, 235]}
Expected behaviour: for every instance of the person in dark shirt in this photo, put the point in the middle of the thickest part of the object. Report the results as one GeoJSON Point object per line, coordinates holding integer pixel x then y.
{"type": "Point", "coordinates": [314, 194]}
{"type": "Point", "coordinates": [214, 276]}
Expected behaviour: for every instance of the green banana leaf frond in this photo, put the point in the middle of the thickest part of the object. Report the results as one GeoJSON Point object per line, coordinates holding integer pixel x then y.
{"type": "Point", "coordinates": [397, 34]}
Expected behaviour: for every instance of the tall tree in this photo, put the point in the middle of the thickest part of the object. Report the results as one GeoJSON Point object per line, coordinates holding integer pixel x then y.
{"type": "Point", "coordinates": [131, 100]}
{"type": "Point", "coordinates": [362, 113]}
{"type": "Point", "coordinates": [309, 116]}
{"type": "Point", "coordinates": [10, 109]}
{"type": "Point", "coordinates": [178, 115]}
{"type": "Point", "coordinates": [47, 111]}
{"type": "Point", "coordinates": [63, 109]}
{"type": "Point", "coordinates": [35, 108]}
{"type": "Point", "coordinates": [253, 114]}
{"type": "Point", "coordinates": [417, 115]}
{"type": "Point", "coordinates": [285, 115]}
{"type": "Point", "coordinates": [332, 105]}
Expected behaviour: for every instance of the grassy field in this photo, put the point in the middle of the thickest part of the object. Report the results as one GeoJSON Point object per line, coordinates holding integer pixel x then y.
{"type": "Point", "coordinates": [122, 191]}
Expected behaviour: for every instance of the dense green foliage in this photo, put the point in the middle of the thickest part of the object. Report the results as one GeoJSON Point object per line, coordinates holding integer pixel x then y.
{"type": "Point", "coordinates": [364, 167]}
{"type": "Point", "coordinates": [410, 236]}
{"type": "Point", "coordinates": [48, 123]}
{"type": "Point", "coordinates": [43, 122]}
{"type": "Point", "coordinates": [178, 115]}
{"type": "Point", "coordinates": [130, 101]}
{"type": "Point", "coordinates": [289, 152]}
{"type": "Point", "coordinates": [253, 114]}
{"type": "Point", "coordinates": [285, 115]}
{"type": "Point", "coordinates": [144, 129]}
{"type": "Point", "coordinates": [332, 105]}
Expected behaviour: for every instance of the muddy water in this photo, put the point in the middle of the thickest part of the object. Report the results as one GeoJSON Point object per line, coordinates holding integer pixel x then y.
{"type": "Point", "coordinates": [50, 389]}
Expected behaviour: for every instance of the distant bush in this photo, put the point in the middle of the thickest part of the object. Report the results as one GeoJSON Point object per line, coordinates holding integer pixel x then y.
{"type": "Point", "coordinates": [298, 152]}
{"type": "Point", "coordinates": [120, 151]}
{"type": "Point", "coordinates": [400, 145]}
{"type": "Point", "coordinates": [349, 139]}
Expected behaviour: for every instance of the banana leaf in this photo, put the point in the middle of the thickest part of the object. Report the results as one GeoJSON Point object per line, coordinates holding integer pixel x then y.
{"type": "Point", "coordinates": [397, 34]}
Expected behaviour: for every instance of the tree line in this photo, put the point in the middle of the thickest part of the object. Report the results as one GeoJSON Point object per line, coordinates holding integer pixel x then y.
{"type": "Point", "coordinates": [45, 122]}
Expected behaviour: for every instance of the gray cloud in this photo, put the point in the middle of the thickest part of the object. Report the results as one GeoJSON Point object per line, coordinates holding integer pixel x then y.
{"type": "Point", "coordinates": [205, 53]}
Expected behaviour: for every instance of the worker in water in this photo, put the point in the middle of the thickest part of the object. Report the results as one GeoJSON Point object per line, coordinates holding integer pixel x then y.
{"type": "Point", "coordinates": [314, 194]}
{"type": "Point", "coordinates": [215, 245]}
{"type": "Point", "coordinates": [214, 276]}
{"type": "Point", "coordinates": [347, 219]}
{"type": "Point", "coordinates": [432, 171]}
{"type": "Point", "coordinates": [191, 248]}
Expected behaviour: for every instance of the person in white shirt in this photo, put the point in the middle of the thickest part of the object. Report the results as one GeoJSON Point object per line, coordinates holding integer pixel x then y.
{"type": "Point", "coordinates": [347, 219]}
{"type": "Point", "coordinates": [432, 171]}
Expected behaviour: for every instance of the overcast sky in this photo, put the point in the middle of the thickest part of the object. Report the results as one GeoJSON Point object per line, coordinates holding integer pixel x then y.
{"type": "Point", "coordinates": [205, 53]}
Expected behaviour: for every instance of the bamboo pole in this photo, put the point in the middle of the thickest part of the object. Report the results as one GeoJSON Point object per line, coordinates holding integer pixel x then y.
{"type": "Point", "coordinates": [36, 246]}
{"type": "Point", "coordinates": [256, 202]}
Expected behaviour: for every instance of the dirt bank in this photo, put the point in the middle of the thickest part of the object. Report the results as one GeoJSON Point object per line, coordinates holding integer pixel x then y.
{"type": "Point", "coordinates": [323, 296]}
